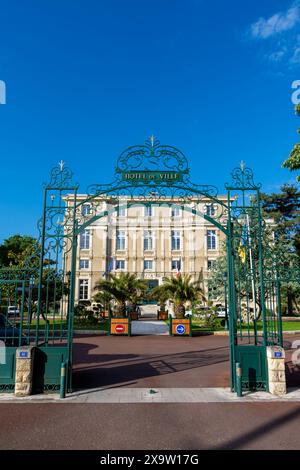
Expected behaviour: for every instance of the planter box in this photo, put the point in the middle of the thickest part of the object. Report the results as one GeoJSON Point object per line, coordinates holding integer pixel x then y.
{"type": "Point", "coordinates": [180, 327]}
{"type": "Point", "coordinates": [134, 315]}
{"type": "Point", "coordinates": [120, 326]}
{"type": "Point", "coordinates": [162, 315]}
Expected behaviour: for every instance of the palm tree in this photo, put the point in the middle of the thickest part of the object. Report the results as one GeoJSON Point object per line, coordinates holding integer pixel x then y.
{"type": "Point", "coordinates": [180, 289]}
{"type": "Point", "coordinates": [123, 287]}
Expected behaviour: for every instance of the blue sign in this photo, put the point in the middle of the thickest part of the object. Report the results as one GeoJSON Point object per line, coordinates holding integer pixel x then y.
{"type": "Point", "coordinates": [180, 329]}
{"type": "Point", "coordinates": [24, 354]}
{"type": "Point", "coordinates": [278, 354]}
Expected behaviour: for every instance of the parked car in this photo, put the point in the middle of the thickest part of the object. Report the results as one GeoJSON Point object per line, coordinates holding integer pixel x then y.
{"type": "Point", "coordinates": [188, 313]}
{"type": "Point", "coordinates": [10, 334]}
{"type": "Point", "coordinates": [13, 310]}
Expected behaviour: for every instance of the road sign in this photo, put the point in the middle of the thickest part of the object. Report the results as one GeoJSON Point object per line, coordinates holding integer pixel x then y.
{"type": "Point", "coordinates": [180, 329]}
{"type": "Point", "coordinates": [119, 328]}
{"type": "Point", "coordinates": [23, 354]}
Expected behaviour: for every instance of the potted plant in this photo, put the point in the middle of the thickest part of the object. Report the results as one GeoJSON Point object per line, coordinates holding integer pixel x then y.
{"type": "Point", "coordinates": [103, 300]}
{"type": "Point", "coordinates": [122, 288]}
{"type": "Point", "coordinates": [181, 290]}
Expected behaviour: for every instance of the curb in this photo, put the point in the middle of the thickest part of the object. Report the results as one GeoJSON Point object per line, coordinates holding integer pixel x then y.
{"type": "Point", "coordinates": [226, 333]}
{"type": "Point", "coordinates": [90, 332]}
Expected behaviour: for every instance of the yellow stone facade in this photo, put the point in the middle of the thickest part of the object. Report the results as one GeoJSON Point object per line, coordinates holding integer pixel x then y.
{"type": "Point", "coordinates": [116, 242]}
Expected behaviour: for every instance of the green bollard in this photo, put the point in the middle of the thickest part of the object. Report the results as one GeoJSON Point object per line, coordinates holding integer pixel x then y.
{"type": "Point", "coordinates": [63, 380]}
{"type": "Point", "coordinates": [239, 379]}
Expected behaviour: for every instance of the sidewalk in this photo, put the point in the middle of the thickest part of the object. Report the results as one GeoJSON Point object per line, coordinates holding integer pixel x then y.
{"type": "Point", "coordinates": [162, 395]}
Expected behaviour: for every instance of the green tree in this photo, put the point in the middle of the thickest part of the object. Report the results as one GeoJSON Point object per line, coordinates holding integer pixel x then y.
{"type": "Point", "coordinates": [22, 251]}
{"type": "Point", "coordinates": [180, 290]}
{"type": "Point", "coordinates": [293, 161]}
{"type": "Point", "coordinates": [123, 287]}
{"type": "Point", "coordinates": [17, 249]}
{"type": "Point", "coordinates": [284, 209]}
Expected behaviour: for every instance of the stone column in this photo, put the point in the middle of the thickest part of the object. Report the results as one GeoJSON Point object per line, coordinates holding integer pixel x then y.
{"type": "Point", "coordinates": [24, 371]}
{"type": "Point", "coordinates": [276, 370]}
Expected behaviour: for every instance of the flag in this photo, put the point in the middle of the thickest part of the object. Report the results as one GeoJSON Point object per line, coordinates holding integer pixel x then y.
{"type": "Point", "coordinates": [242, 245]}
{"type": "Point", "coordinates": [109, 268]}
{"type": "Point", "coordinates": [178, 273]}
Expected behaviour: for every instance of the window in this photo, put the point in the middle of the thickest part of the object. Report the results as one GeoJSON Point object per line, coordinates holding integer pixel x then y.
{"type": "Point", "coordinates": [175, 212]}
{"type": "Point", "coordinates": [120, 240]}
{"type": "Point", "coordinates": [85, 240]}
{"type": "Point", "coordinates": [122, 211]}
{"type": "Point", "coordinates": [210, 264]}
{"type": "Point", "coordinates": [176, 264]}
{"type": "Point", "coordinates": [148, 264]}
{"type": "Point", "coordinates": [211, 240]}
{"type": "Point", "coordinates": [210, 210]}
{"type": "Point", "coordinates": [175, 240]}
{"type": "Point", "coordinates": [120, 264]}
{"type": "Point", "coordinates": [86, 209]}
{"type": "Point", "coordinates": [84, 264]}
{"type": "Point", "coordinates": [148, 240]}
{"type": "Point", "coordinates": [148, 211]}
{"type": "Point", "coordinates": [83, 289]}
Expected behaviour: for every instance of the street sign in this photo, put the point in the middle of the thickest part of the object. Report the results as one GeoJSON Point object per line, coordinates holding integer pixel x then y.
{"type": "Point", "coordinates": [277, 354]}
{"type": "Point", "coordinates": [180, 329]}
{"type": "Point", "coordinates": [120, 328]}
{"type": "Point", "coordinates": [23, 354]}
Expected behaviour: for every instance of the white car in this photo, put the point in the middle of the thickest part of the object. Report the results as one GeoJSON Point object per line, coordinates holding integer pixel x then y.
{"type": "Point", "coordinates": [12, 310]}
{"type": "Point", "coordinates": [188, 313]}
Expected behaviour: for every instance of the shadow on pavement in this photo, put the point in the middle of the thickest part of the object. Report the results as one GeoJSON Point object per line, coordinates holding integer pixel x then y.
{"type": "Point", "coordinates": [110, 369]}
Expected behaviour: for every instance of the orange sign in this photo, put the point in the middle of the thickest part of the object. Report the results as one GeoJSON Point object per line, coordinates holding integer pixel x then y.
{"type": "Point", "coordinates": [180, 327]}
{"type": "Point", "coordinates": [119, 326]}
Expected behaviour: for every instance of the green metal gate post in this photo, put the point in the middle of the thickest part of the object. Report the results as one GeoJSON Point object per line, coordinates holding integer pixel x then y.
{"type": "Point", "coordinates": [41, 267]}
{"type": "Point", "coordinates": [231, 302]}
{"type": "Point", "coordinates": [261, 270]}
{"type": "Point", "coordinates": [72, 300]}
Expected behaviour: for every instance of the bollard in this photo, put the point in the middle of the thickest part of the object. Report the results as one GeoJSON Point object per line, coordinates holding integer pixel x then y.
{"type": "Point", "coordinates": [63, 380]}
{"type": "Point", "coordinates": [239, 379]}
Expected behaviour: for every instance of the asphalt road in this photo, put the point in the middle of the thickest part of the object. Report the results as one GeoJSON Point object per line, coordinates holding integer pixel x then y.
{"type": "Point", "coordinates": [153, 362]}
{"type": "Point", "coordinates": [150, 426]}
{"type": "Point", "coordinates": [159, 361]}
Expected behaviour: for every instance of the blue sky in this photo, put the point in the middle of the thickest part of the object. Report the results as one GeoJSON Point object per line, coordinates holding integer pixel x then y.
{"type": "Point", "coordinates": [86, 79]}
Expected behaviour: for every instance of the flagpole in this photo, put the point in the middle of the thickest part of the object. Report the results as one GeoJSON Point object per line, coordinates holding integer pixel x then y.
{"type": "Point", "coordinates": [251, 266]}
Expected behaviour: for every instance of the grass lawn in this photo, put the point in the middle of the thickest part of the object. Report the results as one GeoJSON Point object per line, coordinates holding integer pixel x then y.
{"type": "Point", "coordinates": [286, 326]}
{"type": "Point", "coordinates": [196, 325]}
{"type": "Point", "coordinates": [56, 324]}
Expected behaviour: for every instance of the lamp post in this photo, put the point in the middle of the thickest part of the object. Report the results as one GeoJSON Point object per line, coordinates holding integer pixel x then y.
{"type": "Point", "coordinates": [225, 300]}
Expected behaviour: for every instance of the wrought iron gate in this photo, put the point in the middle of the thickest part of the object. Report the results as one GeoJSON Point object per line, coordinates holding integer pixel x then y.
{"type": "Point", "coordinates": [43, 292]}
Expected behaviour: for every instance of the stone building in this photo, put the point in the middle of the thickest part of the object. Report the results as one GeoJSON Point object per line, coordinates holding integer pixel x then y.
{"type": "Point", "coordinates": [152, 238]}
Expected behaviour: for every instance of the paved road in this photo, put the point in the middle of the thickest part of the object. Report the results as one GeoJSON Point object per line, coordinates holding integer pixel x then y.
{"type": "Point", "coordinates": [150, 426]}
{"type": "Point", "coordinates": [159, 361]}
{"type": "Point", "coordinates": [149, 327]}
{"type": "Point", "coordinates": [153, 362]}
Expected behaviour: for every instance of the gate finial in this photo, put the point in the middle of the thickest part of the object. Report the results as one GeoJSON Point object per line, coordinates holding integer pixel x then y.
{"type": "Point", "coordinates": [152, 139]}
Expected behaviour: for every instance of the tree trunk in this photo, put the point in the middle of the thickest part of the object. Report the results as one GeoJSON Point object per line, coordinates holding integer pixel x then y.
{"type": "Point", "coordinates": [180, 311]}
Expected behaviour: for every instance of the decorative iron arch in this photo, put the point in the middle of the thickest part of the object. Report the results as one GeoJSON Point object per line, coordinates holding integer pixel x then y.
{"type": "Point", "coordinates": [145, 174]}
